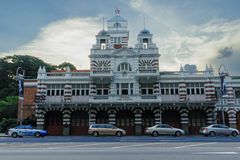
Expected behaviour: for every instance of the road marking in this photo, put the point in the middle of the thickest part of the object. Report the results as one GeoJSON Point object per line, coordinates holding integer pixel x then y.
{"type": "Point", "coordinates": [194, 145]}
{"type": "Point", "coordinates": [222, 153]}
{"type": "Point", "coordinates": [136, 145]}
{"type": "Point", "coordinates": [78, 145]}
{"type": "Point", "coordinates": [144, 144]}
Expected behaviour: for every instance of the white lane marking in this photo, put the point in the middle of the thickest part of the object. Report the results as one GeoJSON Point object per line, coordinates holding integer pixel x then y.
{"type": "Point", "coordinates": [144, 144]}
{"type": "Point", "coordinates": [136, 145]}
{"type": "Point", "coordinates": [78, 145]}
{"type": "Point", "coordinates": [222, 153]}
{"type": "Point", "coordinates": [195, 145]}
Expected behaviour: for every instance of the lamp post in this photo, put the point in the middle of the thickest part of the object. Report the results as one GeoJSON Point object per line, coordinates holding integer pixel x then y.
{"type": "Point", "coordinates": [20, 79]}
{"type": "Point", "coordinates": [222, 71]}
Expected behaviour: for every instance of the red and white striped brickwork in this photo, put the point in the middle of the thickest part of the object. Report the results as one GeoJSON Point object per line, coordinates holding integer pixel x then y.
{"type": "Point", "coordinates": [230, 97]}
{"type": "Point", "coordinates": [182, 91]}
{"type": "Point", "coordinates": [210, 91]}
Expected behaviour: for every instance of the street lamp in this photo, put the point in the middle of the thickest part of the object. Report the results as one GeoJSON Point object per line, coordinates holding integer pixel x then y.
{"type": "Point", "coordinates": [20, 79]}
{"type": "Point", "coordinates": [222, 71]}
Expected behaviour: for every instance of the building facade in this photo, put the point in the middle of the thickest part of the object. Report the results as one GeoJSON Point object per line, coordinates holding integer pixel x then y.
{"type": "Point", "coordinates": [124, 87]}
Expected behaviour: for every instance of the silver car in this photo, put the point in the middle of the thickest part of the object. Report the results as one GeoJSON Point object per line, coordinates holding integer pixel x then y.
{"type": "Point", "coordinates": [163, 129]}
{"type": "Point", "coordinates": [219, 129]}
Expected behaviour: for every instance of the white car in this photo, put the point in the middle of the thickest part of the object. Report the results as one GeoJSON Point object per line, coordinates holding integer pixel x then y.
{"type": "Point", "coordinates": [164, 129]}
{"type": "Point", "coordinates": [26, 130]}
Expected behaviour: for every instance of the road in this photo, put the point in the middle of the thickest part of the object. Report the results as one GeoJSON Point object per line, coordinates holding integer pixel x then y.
{"type": "Point", "coordinates": [125, 148]}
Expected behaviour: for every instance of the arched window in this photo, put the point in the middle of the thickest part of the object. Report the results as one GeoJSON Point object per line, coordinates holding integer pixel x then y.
{"type": "Point", "coordinates": [124, 67]}
{"type": "Point", "coordinates": [117, 25]}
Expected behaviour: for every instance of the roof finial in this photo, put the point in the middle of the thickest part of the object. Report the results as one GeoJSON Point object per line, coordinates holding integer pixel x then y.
{"type": "Point", "coordinates": [117, 11]}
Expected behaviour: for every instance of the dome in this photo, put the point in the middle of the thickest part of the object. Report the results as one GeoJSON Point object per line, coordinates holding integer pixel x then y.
{"type": "Point", "coordinates": [144, 32]}
{"type": "Point", "coordinates": [103, 33]}
{"type": "Point", "coordinates": [117, 18]}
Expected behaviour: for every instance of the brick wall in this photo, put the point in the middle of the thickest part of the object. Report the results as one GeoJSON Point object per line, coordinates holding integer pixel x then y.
{"type": "Point", "coordinates": [30, 90]}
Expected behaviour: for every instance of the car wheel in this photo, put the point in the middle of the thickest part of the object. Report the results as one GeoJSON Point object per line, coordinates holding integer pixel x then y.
{"type": "Point", "coordinates": [155, 134]}
{"type": "Point", "coordinates": [234, 133]}
{"type": "Point", "coordinates": [178, 134]}
{"type": "Point", "coordinates": [14, 135]}
{"type": "Point", "coordinates": [119, 134]}
{"type": "Point", "coordinates": [95, 134]}
{"type": "Point", "coordinates": [37, 134]}
{"type": "Point", "coordinates": [212, 134]}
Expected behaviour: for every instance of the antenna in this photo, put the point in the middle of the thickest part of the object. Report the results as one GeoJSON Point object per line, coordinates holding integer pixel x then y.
{"type": "Point", "coordinates": [144, 21]}
{"type": "Point", "coordinates": [103, 23]}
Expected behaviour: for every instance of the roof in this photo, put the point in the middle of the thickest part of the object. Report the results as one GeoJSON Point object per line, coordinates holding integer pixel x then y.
{"type": "Point", "coordinates": [103, 33]}
{"type": "Point", "coordinates": [144, 32]}
{"type": "Point", "coordinates": [117, 18]}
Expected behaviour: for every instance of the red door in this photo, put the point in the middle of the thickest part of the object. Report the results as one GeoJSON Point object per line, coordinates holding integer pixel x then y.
{"type": "Point", "coordinates": [197, 119]}
{"type": "Point", "coordinates": [171, 117]}
{"type": "Point", "coordinates": [53, 123]}
{"type": "Point", "coordinates": [79, 123]}
{"type": "Point", "coordinates": [125, 120]}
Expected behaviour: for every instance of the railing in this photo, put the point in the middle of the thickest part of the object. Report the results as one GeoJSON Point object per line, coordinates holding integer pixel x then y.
{"type": "Point", "coordinates": [124, 98]}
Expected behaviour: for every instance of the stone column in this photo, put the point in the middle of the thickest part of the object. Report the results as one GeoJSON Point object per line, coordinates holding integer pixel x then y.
{"type": "Point", "coordinates": [40, 115]}
{"type": "Point", "coordinates": [112, 117]}
{"type": "Point", "coordinates": [92, 116]}
{"type": "Point", "coordinates": [184, 120]}
{"type": "Point", "coordinates": [66, 122]}
{"type": "Point", "coordinates": [158, 116]}
{"type": "Point", "coordinates": [138, 122]}
{"type": "Point", "coordinates": [232, 118]}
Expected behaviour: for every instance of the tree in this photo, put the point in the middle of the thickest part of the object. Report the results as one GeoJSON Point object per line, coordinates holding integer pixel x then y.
{"type": "Point", "coordinates": [63, 65]}
{"type": "Point", "coordinates": [8, 67]}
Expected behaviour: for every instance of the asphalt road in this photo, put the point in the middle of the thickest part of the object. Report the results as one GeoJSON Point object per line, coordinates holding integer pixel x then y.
{"type": "Point", "coordinates": [120, 151]}
{"type": "Point", "coordinates": [124, 148]}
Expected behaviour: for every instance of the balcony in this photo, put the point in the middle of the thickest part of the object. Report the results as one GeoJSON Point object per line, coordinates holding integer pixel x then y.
{"type": "Point", "coordinates": [147, 75]}
{"type": "Point", "coordinates": [101, 75]}
{"type": "Point", "coordinates": [125, 99]}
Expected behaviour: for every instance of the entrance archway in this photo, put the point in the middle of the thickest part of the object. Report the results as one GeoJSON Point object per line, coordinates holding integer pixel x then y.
{"type": "Point", "coordinates": [79, 123]}
{"type": "Point", "coordinates": [125, 120]}
{"type": "Point", "coordinates": [148, 119]}
{"type": "Point", "coordinates": [220, 120]}
{"type": "Point", "coordinates": [171, 117]}
{"type": "Point", "coordinates": [197, 119]}
{"type": "Point", "coordinates": [102, 117]}
{"type": "Point", "coordinates": [53, 123]}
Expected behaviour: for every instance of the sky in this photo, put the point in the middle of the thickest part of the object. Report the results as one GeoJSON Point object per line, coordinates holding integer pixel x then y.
{"type": "Point", "coordinates": [185, 31]}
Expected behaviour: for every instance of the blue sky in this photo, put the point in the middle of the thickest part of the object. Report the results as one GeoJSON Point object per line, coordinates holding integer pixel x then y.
{"type": "Point", "coordinates": [186, 31]}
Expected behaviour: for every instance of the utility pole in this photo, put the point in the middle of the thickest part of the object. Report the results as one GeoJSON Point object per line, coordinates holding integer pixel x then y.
{"type": "Point", "coordinates": [222, 71]}
{"type": "Point", "coordinates": [20, 79]}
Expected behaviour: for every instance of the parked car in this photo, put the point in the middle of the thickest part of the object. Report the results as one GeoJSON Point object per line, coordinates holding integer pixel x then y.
{"type": "Point", "coordinates": [26, 130]}
{"type": "Point", "coordinates": [163, 129]}
{"type": "Point", "coordinates": [219, 129]}
{"type": "Point", "coordinates": [105, 129]}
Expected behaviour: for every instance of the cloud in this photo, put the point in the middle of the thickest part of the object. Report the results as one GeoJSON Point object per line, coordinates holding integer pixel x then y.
{"type": "Point", "coordinates": [225, 53]}
{"type": "Point", "coordinates": [68, 40]}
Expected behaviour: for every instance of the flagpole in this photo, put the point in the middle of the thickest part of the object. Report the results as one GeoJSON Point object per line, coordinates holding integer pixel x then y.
{"type": "Point", "coordinates": [20, 79]}
{"type": "Point", "coordinates": [222, 75]}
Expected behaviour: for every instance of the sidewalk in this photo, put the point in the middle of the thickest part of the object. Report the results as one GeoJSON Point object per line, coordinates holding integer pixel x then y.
{"type": "Point", "coordinates": [3, 135]}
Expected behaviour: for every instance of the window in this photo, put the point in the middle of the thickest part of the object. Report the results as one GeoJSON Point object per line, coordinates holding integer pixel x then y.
{"type": "Point", "coordinates": [124, 67]}
{"type": "Point", "coordinates": [146, 88]}
{"type": "Point", "coordinates": [169, 88]}
{"type": "Point", "coordinates": [102, 89]}
{"type": "Point", "coordinates": [103, 44]}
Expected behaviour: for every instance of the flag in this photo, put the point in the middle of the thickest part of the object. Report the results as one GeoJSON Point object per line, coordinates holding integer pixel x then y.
{"type": "Point", "coordinates": [223, 85]}
{"type": "Point", "coordinates": [20, 88]}
{"type": "Point", "coordinates": [117, 11]}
